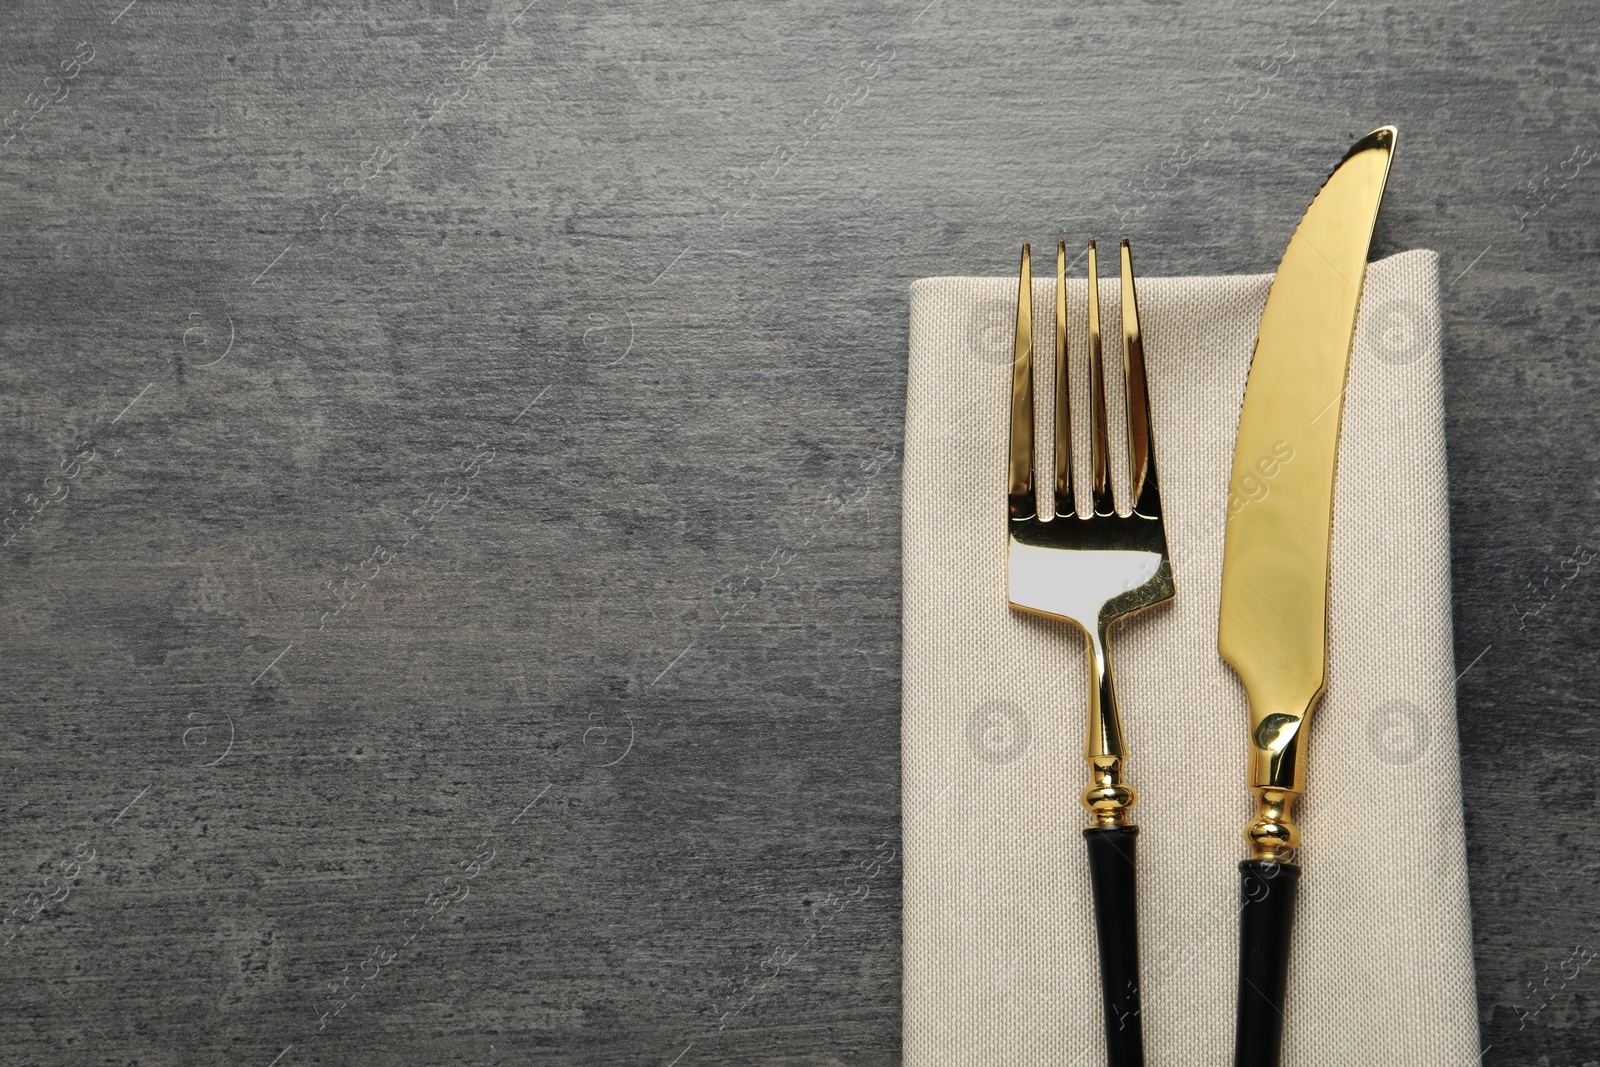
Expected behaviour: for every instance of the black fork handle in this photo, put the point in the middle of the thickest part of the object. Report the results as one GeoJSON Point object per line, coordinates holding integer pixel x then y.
{"type": "Point", "coordinates": [1113, 878]}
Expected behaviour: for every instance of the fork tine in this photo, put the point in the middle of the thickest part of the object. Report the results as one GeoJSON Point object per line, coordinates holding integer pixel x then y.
{"type": "Point", "coordinates": [1019, 492]}
{"type": "Point", "coordinates": [1064, 504]}
{"type": "Point", "coordinates": [1137, 390]}
{"type": "Point", "coordinates": [1099, 455]}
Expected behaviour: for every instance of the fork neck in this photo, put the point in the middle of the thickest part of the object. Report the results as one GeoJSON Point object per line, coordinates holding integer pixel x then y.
{"type": "Point", "coordinates": [1109, 797]}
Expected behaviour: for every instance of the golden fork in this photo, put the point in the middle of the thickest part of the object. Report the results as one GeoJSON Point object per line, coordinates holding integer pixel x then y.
{"type": "Point", "coordinates": [1091, 572]}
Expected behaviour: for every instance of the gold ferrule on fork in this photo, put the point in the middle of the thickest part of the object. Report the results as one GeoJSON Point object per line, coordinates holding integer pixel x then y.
{"type": "Point", "coordinates": [1108, 797]}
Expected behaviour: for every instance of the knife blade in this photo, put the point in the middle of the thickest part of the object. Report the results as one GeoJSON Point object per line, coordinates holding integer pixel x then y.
{"type": "Point", "coordinates": [1272, 626]}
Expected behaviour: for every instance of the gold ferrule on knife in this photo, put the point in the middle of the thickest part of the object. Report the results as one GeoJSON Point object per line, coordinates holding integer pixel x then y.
{"type": "Point", "coordinates": [1273, 834]}
{"type": "Point", "coordinates": [1277, 777]}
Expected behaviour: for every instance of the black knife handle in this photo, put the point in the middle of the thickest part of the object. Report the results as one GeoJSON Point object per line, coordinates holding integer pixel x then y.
{"type": "Point", "coordinates": [1265, 921]}
{"type": "Point", "coordinates": [1112, 876]}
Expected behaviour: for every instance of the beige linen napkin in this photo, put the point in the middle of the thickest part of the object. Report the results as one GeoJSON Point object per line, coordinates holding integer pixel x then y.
{"type": "Point", "coordinates": [999, 937]}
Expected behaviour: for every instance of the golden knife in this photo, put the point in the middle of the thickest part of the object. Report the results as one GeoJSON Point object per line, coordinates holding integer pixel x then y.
{"type": "Point", "coordinates": [1273, 622]}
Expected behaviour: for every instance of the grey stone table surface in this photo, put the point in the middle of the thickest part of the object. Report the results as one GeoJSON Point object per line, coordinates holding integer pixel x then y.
{"type": "Point", "coordinates": [450, 598]}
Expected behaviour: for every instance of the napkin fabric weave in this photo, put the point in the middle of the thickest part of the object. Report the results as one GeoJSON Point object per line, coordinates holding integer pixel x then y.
{"type": "Point", "coordinates": [999, 952]}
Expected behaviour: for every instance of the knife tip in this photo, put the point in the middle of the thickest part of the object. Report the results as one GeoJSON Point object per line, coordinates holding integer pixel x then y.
{"type": "Point", "coordinates": [1383, 137]}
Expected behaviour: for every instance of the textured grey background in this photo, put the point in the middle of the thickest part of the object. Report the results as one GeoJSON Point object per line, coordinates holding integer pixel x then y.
{"type": "Point", "coordinates": [450, 465]}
